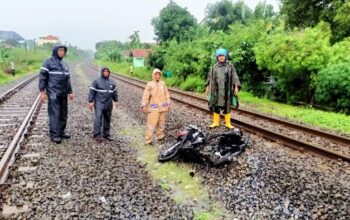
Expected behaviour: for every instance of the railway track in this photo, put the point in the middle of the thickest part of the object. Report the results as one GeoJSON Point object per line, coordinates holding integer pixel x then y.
{"type": "Point", "coordinates": [332, 145]}
{"type": "Point", "coordinates": [18, 107]}
{"type": "Point", "coordinates": [59, 182]}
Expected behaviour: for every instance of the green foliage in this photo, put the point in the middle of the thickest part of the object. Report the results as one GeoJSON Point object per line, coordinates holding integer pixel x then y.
{"type": "Point", "coordinates": [193, 83]}
{"type": "Point", "coordinates": [26, 61]}
{"type": "Point", "coordinates": [295, 58]}
{"type": "Point", "coordinates": [264, 11]}
{"type": "Point", "coordinates": [187, 58]}
{"type": "Point", "coordinates": [110, 50]}
{"type": "Point", "coordinates": [135, 42]}
{"type": "Point", "coordinates": [330, 120]}
{"type": "Point", "coordinates": [300, 13]}
{"type": "Point", "coordinates": [343, 14]}
{"type": "Point", "coordinates": [74, 53]}
{"type": "Point", "coordinates": [4, 56]}
{"type": "Point", "coordinates": [173, 23]}
{"type": "Point", "coordinates": [156, 58]}
{"type": "Point", "coordinates": [342, 22]}
{"type": "Point", "coordinates": [123, 68]}
{"type": "Point", "coordinates": [240, 41]}
{"type": "Point", "coordinates": [339, 52]}
{"type": "Point", "coordinates": [174, 81]}
{"type": "Point", "coordinates": [221, 15]}
{"type": "Point", "coordinates": [333, 86]}
{"type": "Point", "coordinates": [292, 48]}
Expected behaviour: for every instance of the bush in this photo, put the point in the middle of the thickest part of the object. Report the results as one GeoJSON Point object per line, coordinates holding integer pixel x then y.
{"type": "Point", "coordinates": [333, 87]}
{"type": "Point", "coordinates": [156, 58]}
{"type": "Point", "coordinates": [193, 83]}
{"type": "Point", "coordinates": [187, 58]}
{"type": "Point", "coordinates": [4, 56]}
{"type": "Point", "coordinates": [143, 73]}
{"type": "Point", "coordinates": [295, 58]}
{"type": "Point", "coordinates": [174, 81]}
{"type": "Point", "coordinates": [339, 52]}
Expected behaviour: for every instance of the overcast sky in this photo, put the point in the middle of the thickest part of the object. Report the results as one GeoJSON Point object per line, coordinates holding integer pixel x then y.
{"type": "Point", "coordinates": [85, 22]}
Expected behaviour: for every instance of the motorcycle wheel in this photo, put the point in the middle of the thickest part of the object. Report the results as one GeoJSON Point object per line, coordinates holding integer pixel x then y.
{"type": "Point", "coordinates": [170, 152]}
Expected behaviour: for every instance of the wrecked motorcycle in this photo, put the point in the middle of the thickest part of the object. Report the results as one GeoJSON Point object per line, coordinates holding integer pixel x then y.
{"type": "Point", "coordinates": [216, 149]}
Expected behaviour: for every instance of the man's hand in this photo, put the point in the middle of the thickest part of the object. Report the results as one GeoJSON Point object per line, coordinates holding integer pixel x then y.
{"type": "Point", "coordinates": [236, 91]}
{"type": "Point", "coordinates": [43, 96]}
{"type": "Point", "coordinates": [171, 106]}
{"type": "Point", "coordinates": [91, 106]}
{"type": "Point", "coordinates": [144, 109]}
{"type": "Point", "coordinates": [207, 91]}
{"type": "Point", "coordinates": [116, 104]}
{"type": "Point", "coordinates": [71, 97]}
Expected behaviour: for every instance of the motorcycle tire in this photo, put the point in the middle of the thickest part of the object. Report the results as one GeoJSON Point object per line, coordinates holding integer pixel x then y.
{"type": "Point", "coordinates": [173, 149]}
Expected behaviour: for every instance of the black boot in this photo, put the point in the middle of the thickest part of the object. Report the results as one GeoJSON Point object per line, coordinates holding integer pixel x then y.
{"type": "Point", "coordinates": [109, 138]}
{"type": "Point", "coordinates": [65, 136]}
{"type": "Point", "coordinates": [57, 140]}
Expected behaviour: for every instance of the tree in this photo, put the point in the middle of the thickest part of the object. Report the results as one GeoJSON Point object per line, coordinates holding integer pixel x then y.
{"type": "Point", "coordinates": [75, 53]}
{"type": "Point", "coordinates": [221, 15]}
{"type": "Point", "coordinates": [173, 22]}
{"type": "Point", "coordinates": [135, 42]}
{"type": "Point", "coordinates": [187, 58]}
{"type": "Point", "coordinates": [241, 41]}
{"type": "Point", "coordinates": [295, 59]}
{"type": "Point", "coordinates": [339, 52]}
{"type": "Point", "coordinates": [110, 50]}
{"type": "Point", "coordinates": [342, 23]}
{"type": "Point", "coordinates": [264, 11]}
{"type": "Point", "coordinates": [302, 14]}
{"type": "Point", "coordinates": [156, 58]}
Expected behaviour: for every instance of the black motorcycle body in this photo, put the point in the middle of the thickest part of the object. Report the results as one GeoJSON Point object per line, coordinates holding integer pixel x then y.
{"type": "Point", "coordinates": [216, 149]}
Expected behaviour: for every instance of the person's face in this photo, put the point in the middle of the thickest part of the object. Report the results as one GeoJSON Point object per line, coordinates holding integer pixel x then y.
{"type": "Point", "coordinates": [221, 58]}
{"type": "Point", "coordinates": [61, 52]}
{"type": "Point", "coordinates": [105, 73]}
{"type": "Point", "coordinates": [157, 76]}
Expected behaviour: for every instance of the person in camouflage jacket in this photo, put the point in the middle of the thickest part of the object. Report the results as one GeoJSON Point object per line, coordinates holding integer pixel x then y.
{"type": "Point", "coordinates": [222, 87]}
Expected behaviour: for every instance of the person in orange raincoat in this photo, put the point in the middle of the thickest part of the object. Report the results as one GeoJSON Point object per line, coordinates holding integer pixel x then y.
{"type": "Point", "coordinates": [155, 102]}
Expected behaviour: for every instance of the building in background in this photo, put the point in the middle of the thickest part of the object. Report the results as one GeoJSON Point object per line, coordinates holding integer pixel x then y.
{"type": "Point", "coordinates": [139, 57]}
{"type": "Point", "coordinates": [50, 39]}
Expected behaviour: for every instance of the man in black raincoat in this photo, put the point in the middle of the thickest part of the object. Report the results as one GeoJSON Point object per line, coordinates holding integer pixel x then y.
{"type": "Point", "coordinates": [103, 92]}
{"type": "Point", "coordinates": [55, 85]}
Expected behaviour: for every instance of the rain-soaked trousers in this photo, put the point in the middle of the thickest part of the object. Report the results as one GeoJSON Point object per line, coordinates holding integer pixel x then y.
{"type": "Point", "coordinates": [102, 122]}
{"type": "Point", "coordinates": [58, 114]}
{"type": "Point", "coordinates": [155, 122]}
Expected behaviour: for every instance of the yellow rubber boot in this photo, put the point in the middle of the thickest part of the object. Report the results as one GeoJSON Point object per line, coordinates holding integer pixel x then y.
{"type": "Point", "coordinates": [228, 121]}
{"type": "Point", "coordinates": [216, 118]}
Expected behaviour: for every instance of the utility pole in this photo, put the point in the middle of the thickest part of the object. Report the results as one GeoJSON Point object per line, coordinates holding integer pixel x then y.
{"type": "Point", "coordinates": [34, 45]}
{"type": "Point", "coordinates": [243, 10]}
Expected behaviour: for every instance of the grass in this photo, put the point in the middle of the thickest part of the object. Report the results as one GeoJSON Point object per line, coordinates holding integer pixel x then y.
{"type": "Point", "coordinates": [123, 69]}
{"type": "Point", "coordinates": [26, 62]}
{"type": "Point", "coordinates": [323, 119]}
{"type": "Point", "coordinates": [174, 178]}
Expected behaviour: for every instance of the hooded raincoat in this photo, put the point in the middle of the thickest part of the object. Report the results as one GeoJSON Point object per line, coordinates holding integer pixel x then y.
{"type": "Point", "coordinates": [156, 100]}
{"type": "Point", "coordinates": [102, 93]}
{"type": "Point", "coordinates": [54, 79]}
{"type": "Point", "coordinates": [221, 80]}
